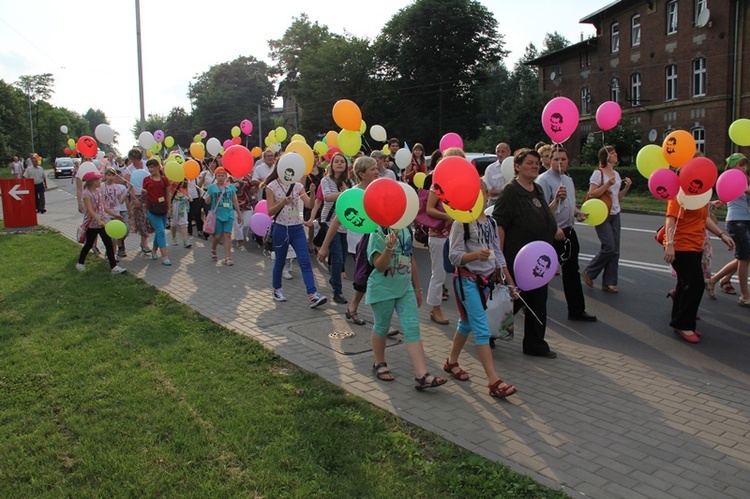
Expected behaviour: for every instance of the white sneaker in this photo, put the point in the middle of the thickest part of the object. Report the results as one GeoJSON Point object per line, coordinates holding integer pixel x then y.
{"type": "Point", "coordinates": [80, 267]}
{"type": "Point", "coordinates": [278, 295]}
{"type": "Point", "coordinates": [286, 274]}
{"type": "Point", "coordinates": [317, 299]}
{"type": "Point", "coordinates": [117, 269]}
{"type": "Point", "coordinates": [174, 242]}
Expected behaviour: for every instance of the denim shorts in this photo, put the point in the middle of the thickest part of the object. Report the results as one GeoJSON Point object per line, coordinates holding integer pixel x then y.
{"type": "Point", "coordinates": [740, 232]}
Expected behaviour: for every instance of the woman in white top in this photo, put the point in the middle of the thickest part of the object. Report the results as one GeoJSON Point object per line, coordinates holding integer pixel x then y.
{"type": "Point", "coordinates": [333, 185]}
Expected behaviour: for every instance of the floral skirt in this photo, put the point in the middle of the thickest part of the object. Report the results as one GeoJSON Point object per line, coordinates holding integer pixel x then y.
{"type": "Point", "coordinates": [139, 220]}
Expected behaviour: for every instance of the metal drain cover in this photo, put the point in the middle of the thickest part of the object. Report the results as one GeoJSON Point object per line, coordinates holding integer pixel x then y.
{"type": "Point", "coordinates": [341, 335]}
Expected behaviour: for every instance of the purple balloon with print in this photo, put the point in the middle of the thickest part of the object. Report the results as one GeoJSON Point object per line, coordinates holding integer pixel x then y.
{"type": "Point", "coordinates": [535, 265]}
{"type": "Point", "coordinates": [159, 135]}
{"type": "Point", "coordinates": [608, 115]}
{"type": "Point", "coordinates": [227, 144]}
{"type": "Point", "coordinates": [560, 119]}
{"type": "Point", "coordinates": [731, 185]}
{"type": "Point", "coordinates": [262, 207]}
{"type": "Point", "coordinates": [259, 223]}
{"type": "Point", "coordinates": [449, 140]}
{"type": "Point", "coordinates": [246, 126]}
{"type": "Point", "coordinates": [664, 184]}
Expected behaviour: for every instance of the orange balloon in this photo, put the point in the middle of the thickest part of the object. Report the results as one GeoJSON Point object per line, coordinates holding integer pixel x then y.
{"type": "Point", "coordinates": [332, 138]}
{"type": "Point", "coordinates": [192, 169]}
{"type": "Point", "coordinates": [678, 148]}
{"type": "Point", "coordinates": [197, 150]}
{"type": "Point", "coordinates": [347, 115]}
{"type": "Point", "coordinates": [256, 152]}
{"type": "Point", "coordinates": [305, 151]}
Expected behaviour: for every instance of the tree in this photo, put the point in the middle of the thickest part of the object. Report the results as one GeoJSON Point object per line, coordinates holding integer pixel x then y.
{"type": "Point", "coordinates": [14, 122]}
{"type": "Point", "coordinates": [96, 117]}
{"type": "Point", "coordinates": [626, 137]}
{"type": "Point", "coordinates": [37, 88]}
{"type": "Point", "coordinates": [179, 124]}
{"type": "Point", "coordinates": [553, 42]}
{"type": "Point", "coordinates": [432, 55]}
{"type": "Point", "coordinates": [153, 122]}
{"type": "Point", "coordinates": [228, 93]}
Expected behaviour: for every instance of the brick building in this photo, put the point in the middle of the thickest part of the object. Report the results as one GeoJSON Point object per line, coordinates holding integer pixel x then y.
{"type": "Point", "coordinates": [670, 64]}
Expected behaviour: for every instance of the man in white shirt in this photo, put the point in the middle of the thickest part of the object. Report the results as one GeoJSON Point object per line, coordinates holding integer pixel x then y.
{"type": "Point", "coordinates": [263, 169]}
{"type": "Point", "coordinates": [493, 177]}
{"type": "Point", "coordinates": [36, 173]}
{"type": "Point", "coordinates": [382, 161]}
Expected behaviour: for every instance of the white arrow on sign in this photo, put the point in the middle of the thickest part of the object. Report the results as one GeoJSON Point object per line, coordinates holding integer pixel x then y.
{"type": "Point", "coordinates": [15, 192]}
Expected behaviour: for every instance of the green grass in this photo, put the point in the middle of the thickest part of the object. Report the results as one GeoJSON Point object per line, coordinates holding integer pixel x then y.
{"type": "Point", "coordinates": [111, 388]}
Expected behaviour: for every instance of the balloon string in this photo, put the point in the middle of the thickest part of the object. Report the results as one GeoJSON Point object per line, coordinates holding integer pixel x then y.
{"type": "Point", "coordinates": [530, 309]}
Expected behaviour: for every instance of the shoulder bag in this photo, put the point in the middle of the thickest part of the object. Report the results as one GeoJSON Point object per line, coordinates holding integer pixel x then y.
{"type": "Point", "coordinates": [606, 197]}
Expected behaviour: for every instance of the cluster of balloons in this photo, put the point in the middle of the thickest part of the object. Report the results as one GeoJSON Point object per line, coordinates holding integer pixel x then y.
{"type": "Point", "coordinates": [560, 118]}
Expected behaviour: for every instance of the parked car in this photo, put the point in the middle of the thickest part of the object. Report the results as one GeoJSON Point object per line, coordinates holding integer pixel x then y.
{"type": "Point", "coordinates": [64, 167]}
{"type": "Point", "coordinates": [480, 160]}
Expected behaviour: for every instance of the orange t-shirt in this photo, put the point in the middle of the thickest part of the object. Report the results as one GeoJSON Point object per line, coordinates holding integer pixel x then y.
{"type": "Point", "coordinates": [691, 227]}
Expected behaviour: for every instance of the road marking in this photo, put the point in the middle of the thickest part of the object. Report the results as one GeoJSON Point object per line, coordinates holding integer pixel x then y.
{"type": "Point", "coordinates": [635, 264]}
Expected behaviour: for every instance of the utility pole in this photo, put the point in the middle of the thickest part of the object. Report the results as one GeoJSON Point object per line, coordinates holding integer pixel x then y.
{"type": "Point", "coordinates": [140, 61]}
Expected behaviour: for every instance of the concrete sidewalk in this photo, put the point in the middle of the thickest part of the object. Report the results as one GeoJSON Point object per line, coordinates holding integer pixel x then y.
{"type": "Point", "coordinates": [592, 422]}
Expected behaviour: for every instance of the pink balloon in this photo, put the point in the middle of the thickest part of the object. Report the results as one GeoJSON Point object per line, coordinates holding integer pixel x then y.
{"type": "Point", "coordinates": [608, 115]}
{"type": "Point", "coordinates": [535, 265]}
{"type": "Point", "coordinates": [203, 134]}
{"type": "Point", "coordinates": [259, 223]}
{"type": "Point", "coordinates": [227, 144]}
{"type": "Point", "coordinates": [731, 185]}
{"type": "Point", "coordinates": [560, 119]}
{"type": "Point", "coordinates": [158, 135]}
{"type": "Point", "coordinates": [449, 140]}
{"type": "Point", "coordinates": [664, 184]}
{"type": "Point", "coordinates": [246, 126]}
{"type": "Point", "coordinates": [262, 207]}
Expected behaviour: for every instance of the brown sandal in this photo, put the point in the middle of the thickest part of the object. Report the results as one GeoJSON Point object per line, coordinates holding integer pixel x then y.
{"type": "Point", "coordinates": [461, 375]}
{"type": "Point", "coordinates": [422, 383]}
{"type": "Point", "coordinates": [382, 375]}
{"type": "Point", "coordinates": [496, 390]}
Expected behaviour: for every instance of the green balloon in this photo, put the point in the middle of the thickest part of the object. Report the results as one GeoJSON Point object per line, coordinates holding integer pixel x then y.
{"type": "Point", "coordinates": [116, 229]}
{"type": "Point", "coordinates": [350, 210]}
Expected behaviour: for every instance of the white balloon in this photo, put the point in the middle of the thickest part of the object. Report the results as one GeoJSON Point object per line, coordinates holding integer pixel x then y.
{"type": "Point", "coordinates": [507, 169]}
{"type": "Point", "coordinates": [213, 146]}
{"type": "Point", "coordinates": [412, 207]}
{"type": "Point", "coordinates": [403, 158]}
{"type": "Point", "coordinates": [694, 202]}
{"type": "Point", "coordinates": [100, 155]}
{"type": "Point", "coordinates": [377, 132]}
{"type": "Point", "coordinates": [291, 168]}
{"type": "Point", "coordinates": [86, 167]}
{"type": "Point", "coordinates": [488, 211]}
{"type": "Point", "coordinates": [104, 133]}
{"type": "Point", "coordinates": [64, 129]}
{"type": "Point", "coordinates": [275, 146]}
{"type": "Point", "coordinates": [146, 140]}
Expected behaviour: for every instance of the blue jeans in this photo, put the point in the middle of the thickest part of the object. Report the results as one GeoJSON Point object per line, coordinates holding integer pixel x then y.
{"type": "Point", "coordinates": [283, 236]}
{"type": "Point", "coordinates": [337, 251]}
{"type": "Point", "coordinates": [608, 258]}
{"type": "Point", "coordinates": [159, 223]}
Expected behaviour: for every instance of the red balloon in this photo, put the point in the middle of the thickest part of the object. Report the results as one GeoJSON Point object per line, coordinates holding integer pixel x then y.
{"type": "Point", "coordinates": [238, 161]}
{"type": "Point", "coordinates": [456, 183]}
{"type": "Point", "coordinates": [331, 151]}
{"type": "Point", "coordinates": [698, 176]}
{"type": "Point", "coordinates": [236, 141]}
{"type": "Point", "coordinates": [68, 151]}
{"type": "Point", "coordinates": [87, 146]}
{"type": "Point", "coordinates": [384, 202]}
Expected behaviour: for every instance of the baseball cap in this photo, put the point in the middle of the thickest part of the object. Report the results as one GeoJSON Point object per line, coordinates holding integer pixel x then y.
{"type": "Point", "coordinates": [734, 159]}
{"type": "Point", "coordinates": [91, 176]}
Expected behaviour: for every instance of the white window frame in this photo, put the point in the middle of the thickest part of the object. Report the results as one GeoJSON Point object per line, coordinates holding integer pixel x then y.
{"type": "Point", "coordinates": [672, 17]}
{"type": "Point", "coordinates": [585, 100]}
{"type": "Point", "coordinates": [614, 89]}
{"type": "Point", "coordinates": [635, 30]}
{"type": "Point", "coordinates": [670, 83]}
{"type": "Point", "coordinates": [700, 77]}
{"type": "Point", "coordinates": [699, 134]}
{"type": "Point", "coordinates": [700, 6]}
{"type": "Point", "coordinates": [636, 83]}
{"type": "Point", "coordinates": [614, 38]}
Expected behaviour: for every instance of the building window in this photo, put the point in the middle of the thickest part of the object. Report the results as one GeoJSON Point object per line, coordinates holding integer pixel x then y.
{"type": "Point", "coordinates": [585, 59]}
{"type": "Point", "coordinates": [672, 17]}
{"type": "Point", "coordinates": [635, 89]}
{"type": "Point", "coordinates": [671, 83]}
{"type": "Point", "coordinates": [585, 100]}
{"type": "Point", "coordinates": [614, 89]}
{"type": "Point", "coordinates": [699, 77]}
{"type": "Point", "coordinates": [614, 32]}
{"type": "Point", "coordinates": [699, 134]}
{"type": "Point", "coordinates": [700, 6]}
{"type": "Point", "coordinates": [635, 30]}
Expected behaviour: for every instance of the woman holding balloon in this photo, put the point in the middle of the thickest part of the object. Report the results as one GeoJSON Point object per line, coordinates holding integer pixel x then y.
{"type": "Point", "coordinates": [606, 181]}
{"type": "Point", "coordinates": [417, 164]}
{"type": "Point", "coordinates": [523, 216]}
{"type": "Point", "coordinates": [332, 186]}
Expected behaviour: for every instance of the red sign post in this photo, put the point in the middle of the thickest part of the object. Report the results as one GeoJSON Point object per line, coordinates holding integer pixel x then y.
{"type": "Point", "coordinates": [19, 203]}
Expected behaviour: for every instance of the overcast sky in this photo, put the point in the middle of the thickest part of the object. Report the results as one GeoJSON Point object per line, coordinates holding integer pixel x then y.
{"type": "Point", "coordinates": [90, 45]}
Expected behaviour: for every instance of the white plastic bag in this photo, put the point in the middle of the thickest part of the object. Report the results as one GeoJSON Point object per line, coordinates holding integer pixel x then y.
{"type": "Point", "coordinates": [499, 310]}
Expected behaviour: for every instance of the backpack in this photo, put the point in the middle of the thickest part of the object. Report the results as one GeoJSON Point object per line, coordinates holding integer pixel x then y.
{"type": "Point", "coordinates": [447, 265]}
{"type": "Point", "coordinates": [362, 266]}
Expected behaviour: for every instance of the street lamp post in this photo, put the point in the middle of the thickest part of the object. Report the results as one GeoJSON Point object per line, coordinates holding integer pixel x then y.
{"type": "Point", "coordinates": [31, 121]}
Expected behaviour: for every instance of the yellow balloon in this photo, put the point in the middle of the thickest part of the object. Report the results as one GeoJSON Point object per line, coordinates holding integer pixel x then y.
{"type": "Point", "coordinates": [174, 171]}
{"type": "Point", "coordinates": [176, 158]}
{"type": "Point", "coordinates": [739, 132]}
{"type": "Point", "coordinates": [386, 150]}
{"type": "Point", "coordinates": [192, 169]}
{"type": "Point", "coordinates": [349, 142]}
{"type": "Point", "coordinates": [71, 143]}
{"type": "Point", "coordinates": [272, 137]}
{"type": "Point", "coordinates": [169, 142]}
{"type": "Point", "coordinates": [321, 148]}
{"type": "Point", "coordinates": [419, 179]}
{"type": "Point", "coordinates": [466, 216]}
{"type": "Point", "coordinates": [267, 141]}
{"type": "Point", "coordinates": [332, 139]}
{"type": "Point", "coordinates": [297, 138]}
{"type": "Point", "coordinates": [596, 210]}
{"type": "Point", "coordinates": [650, 158]}
{"type": "Point", "coordinates": [281, 133]}
{"type": "Point", "coordinates": [305, 151]}
{"type": "Point", "coordinates": [197, 150]}
{"type": "Point", "coordinates": [362, 127]}
{"type": "Point", "coordinates": [236, 131]}
{"type": "Point", "coordinates": [197, 138]}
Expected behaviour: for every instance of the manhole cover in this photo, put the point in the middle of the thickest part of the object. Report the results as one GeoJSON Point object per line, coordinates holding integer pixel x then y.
{"type": "Point", "coordinates": [340, 335]}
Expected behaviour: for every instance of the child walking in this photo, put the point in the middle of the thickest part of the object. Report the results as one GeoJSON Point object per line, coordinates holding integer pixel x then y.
{"type": "Point", "coordinates": [180, 207]}
{"type": "Point", "coordinates": [93, 221]}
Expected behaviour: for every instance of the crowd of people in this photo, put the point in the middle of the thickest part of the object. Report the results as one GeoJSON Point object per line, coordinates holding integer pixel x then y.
{"type": "Point", "coordinates": [467, 260]}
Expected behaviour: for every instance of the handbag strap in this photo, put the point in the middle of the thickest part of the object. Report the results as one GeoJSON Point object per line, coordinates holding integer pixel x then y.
{"type": "Point", "coordinates": [291, 188]}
